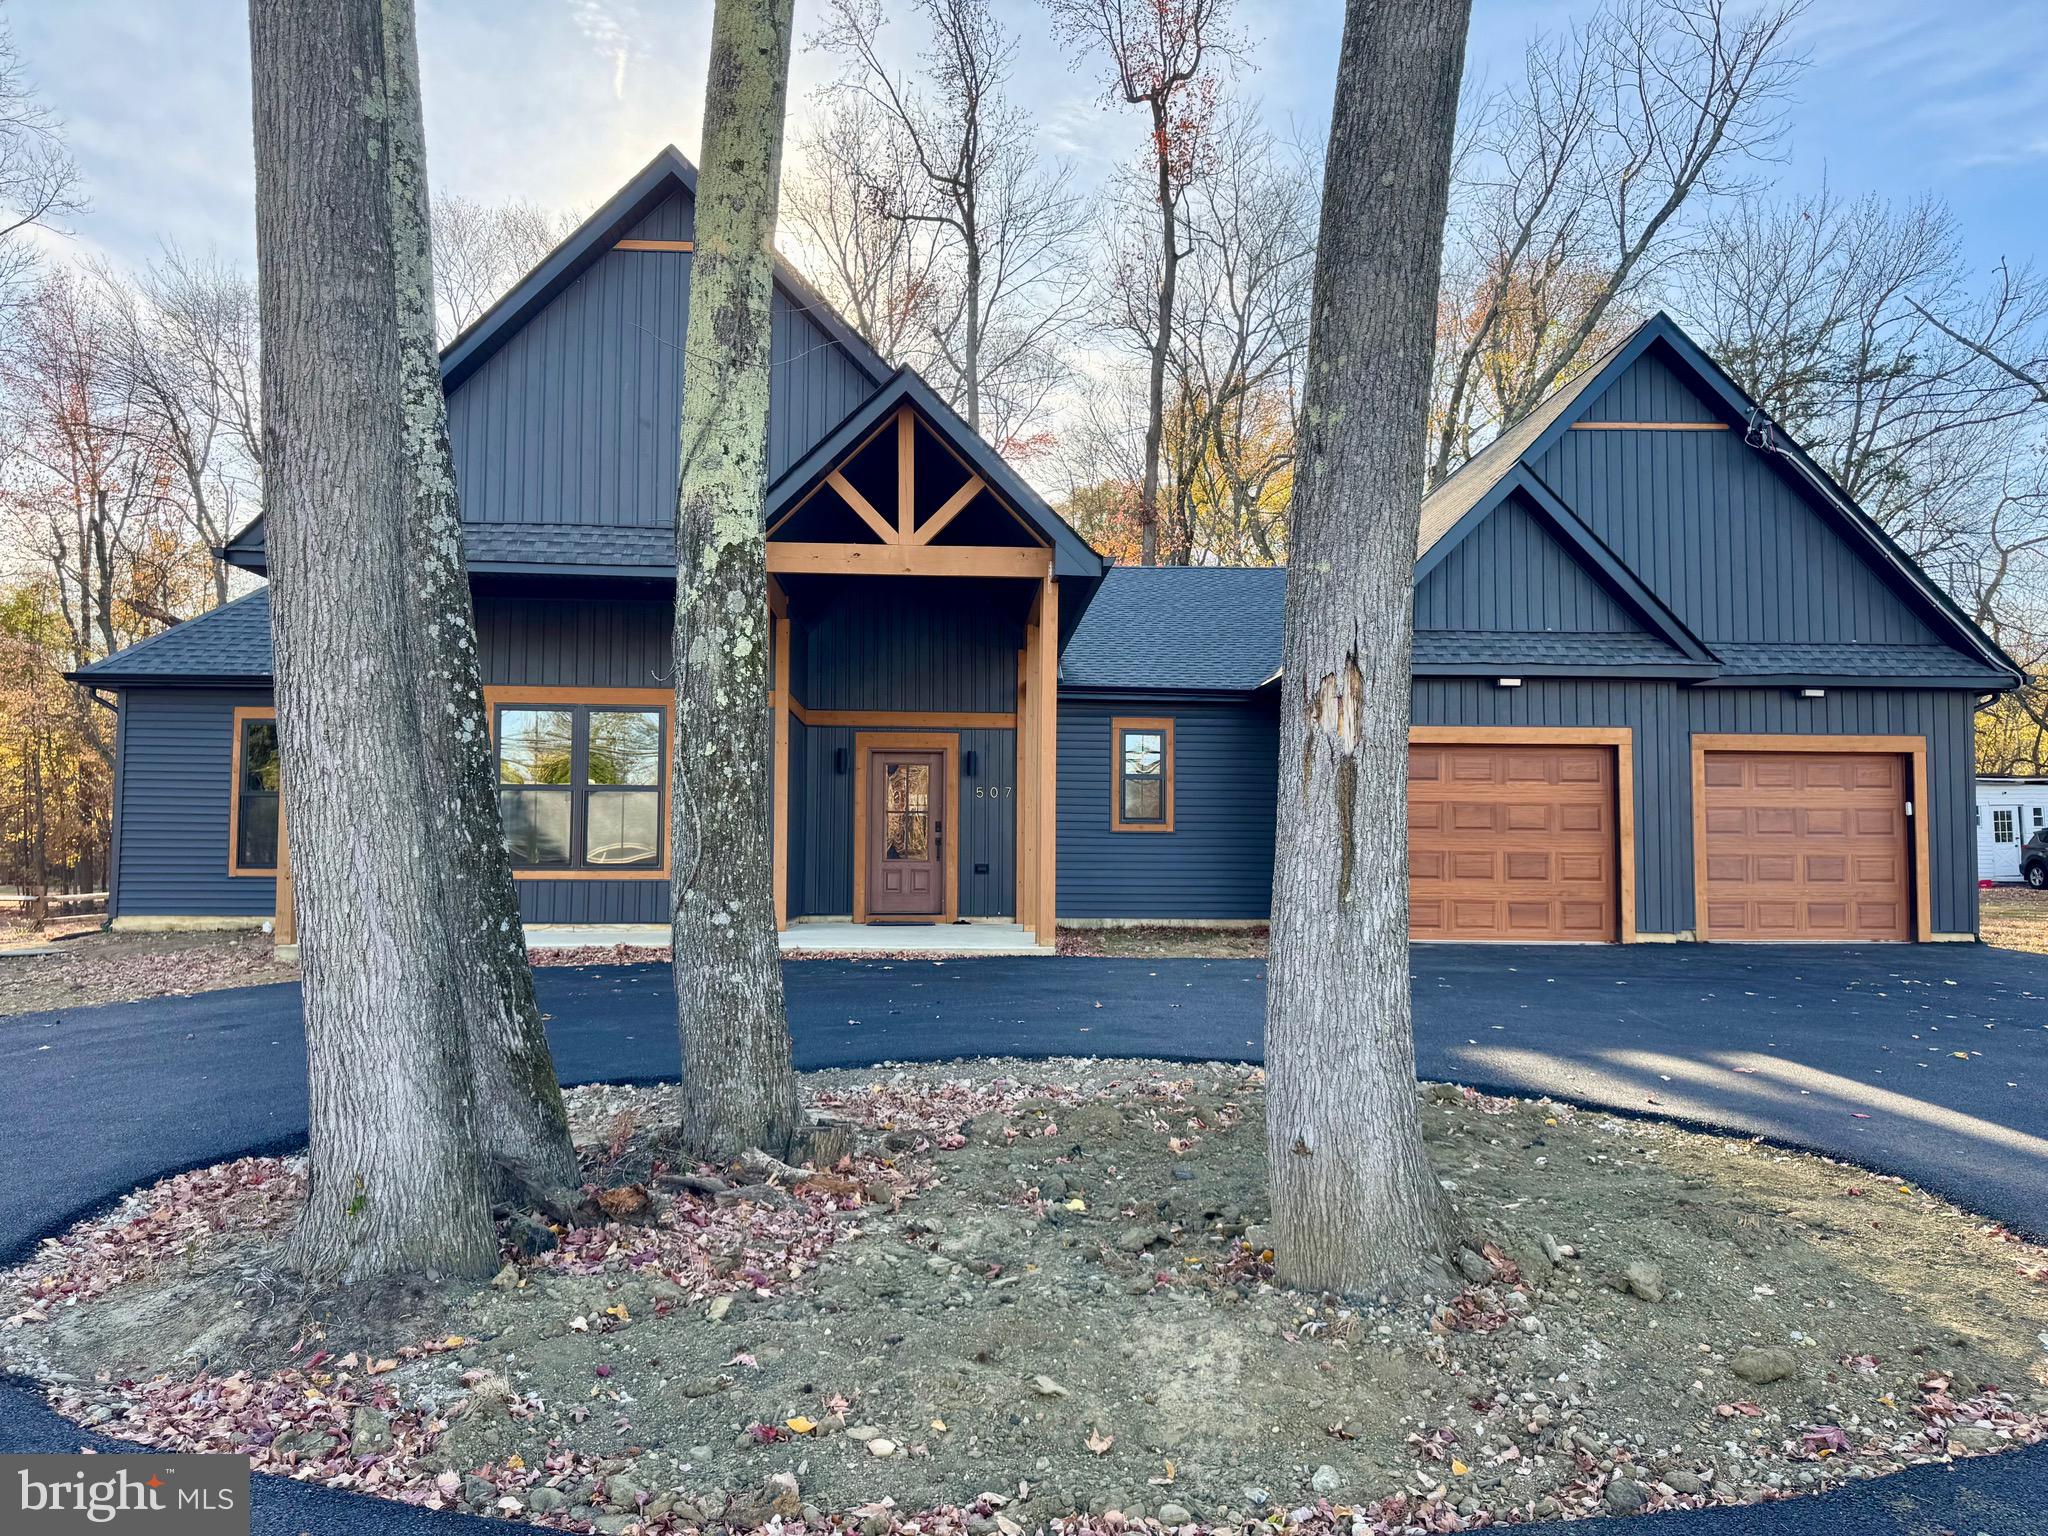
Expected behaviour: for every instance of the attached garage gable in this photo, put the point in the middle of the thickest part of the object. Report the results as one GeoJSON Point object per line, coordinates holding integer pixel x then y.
{"type": "Point", "coordinates": [1513, 840]}
{"type": "Point", "coordinates": [1804, 845]}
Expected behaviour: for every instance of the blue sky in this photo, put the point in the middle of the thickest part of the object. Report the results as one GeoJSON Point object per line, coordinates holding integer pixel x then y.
{"type": "Point", "coordinates": [558, 101]}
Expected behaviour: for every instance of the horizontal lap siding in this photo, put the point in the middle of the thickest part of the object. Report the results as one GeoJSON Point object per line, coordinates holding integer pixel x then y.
{"type": "Point", "coordinates": [1217, 862]}
{"type": "Point", "coordinates": [177, 765]}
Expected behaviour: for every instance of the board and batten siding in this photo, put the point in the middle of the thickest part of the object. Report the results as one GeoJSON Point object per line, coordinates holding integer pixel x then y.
{"type": "Point", "coordinates": [1717, 530]}
{"type": "Point", "coordinates": [1509, 573]}
{"type": "Point", "coordinates": [1217, 862]}
{"type": "Point", "coordinates": [177, 752]}
{"type": "Point", "coordinates": [571, 642]}
{"type": "Point", "coordinates": [577, 417]}
{"type": "Point", "coordinates": [821, 823]}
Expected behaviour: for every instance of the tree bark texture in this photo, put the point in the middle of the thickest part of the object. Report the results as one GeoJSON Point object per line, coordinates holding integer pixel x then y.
{"type": "Point", "coordinates": [739, 1089]}
{"type": "Point", "coordinates": [396, 1183]}
{"type": "Point", "coordinates": [1356, 1206]}
{"type": "Point", "coordinates": [521, 1117]}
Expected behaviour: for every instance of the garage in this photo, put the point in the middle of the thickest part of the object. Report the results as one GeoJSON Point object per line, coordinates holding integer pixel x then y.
{"type": "Point", "coordinates": [1513, 841]}
{"type": "Point", "coordinates": [1805, 845]}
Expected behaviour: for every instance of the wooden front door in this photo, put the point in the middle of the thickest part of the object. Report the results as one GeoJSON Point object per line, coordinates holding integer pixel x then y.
{"type": "Point", "coordinates": [1806, 845]}
{"type": "Point", "coordinates": [906, 834]}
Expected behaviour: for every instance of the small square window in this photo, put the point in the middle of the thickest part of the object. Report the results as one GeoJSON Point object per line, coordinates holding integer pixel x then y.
{"type": "Point", "coordinates": [2001, 826]}
{"type": "Point", "coordinates": [1142, 767]}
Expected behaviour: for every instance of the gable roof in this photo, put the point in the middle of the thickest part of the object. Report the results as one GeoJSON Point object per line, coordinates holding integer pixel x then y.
{"type": "Point", "coordinates": [1457, 505]}
{"type": "Point", "coordinates": [668, 173]}
{"type": "Point", "coordinates": [1593, 556]}
{"type": "Point", "coordinates": [1072, 555]}
{"type": "Point", "coordinates": [655, 182]}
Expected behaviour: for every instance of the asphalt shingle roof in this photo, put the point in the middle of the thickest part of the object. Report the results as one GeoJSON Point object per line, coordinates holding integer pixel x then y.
{"type": "Point", "coordinates": [1524, 648]}
{"type": "Point", "coordinates": [547, 544]}
{"type": "Point", "coordinates": [1171, 628]}
{"type": "Point", "coordinates": [1179, 627]}
{"type": "Point", "coordinates": [228, 643]}
{"type": "Point", "coordinates": [1780, 658]}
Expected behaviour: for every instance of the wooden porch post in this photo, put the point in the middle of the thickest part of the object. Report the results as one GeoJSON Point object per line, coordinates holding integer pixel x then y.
{"type": "Point", "coordinates": [1025, 774]}
{"type": "Point", "coordinates": [778, 610]}
{"type": "Point", "coordinates": [284, 926]}
{"type": "Point", "coordinates": [1046, 738]}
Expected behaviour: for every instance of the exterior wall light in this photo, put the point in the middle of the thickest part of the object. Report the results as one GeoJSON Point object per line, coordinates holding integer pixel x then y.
{"type": "Point", "coordinates": [1507, 682]}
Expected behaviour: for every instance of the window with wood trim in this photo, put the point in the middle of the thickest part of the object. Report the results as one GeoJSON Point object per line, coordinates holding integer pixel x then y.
{"type": "Point", "coordinates": [1141, 771]}
{"type": "Point", "coordinates": [2001, 826]}
{"type": "Point", "coordinates": [253, 800]}
{"type": "Point", "coordinates": [580, 786]}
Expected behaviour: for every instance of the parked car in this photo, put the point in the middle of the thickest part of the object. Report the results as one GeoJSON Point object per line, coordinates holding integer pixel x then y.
{"type": "Point", "coordinates": [2034, 860]}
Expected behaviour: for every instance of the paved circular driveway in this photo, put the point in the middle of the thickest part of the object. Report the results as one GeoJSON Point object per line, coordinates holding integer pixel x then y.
{"type": "Point", "coordinates": [1928, 1062]}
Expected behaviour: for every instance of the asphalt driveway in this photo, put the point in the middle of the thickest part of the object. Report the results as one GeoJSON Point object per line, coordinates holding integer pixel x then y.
{"type": "Point", "coordinates": [1927, 1062]}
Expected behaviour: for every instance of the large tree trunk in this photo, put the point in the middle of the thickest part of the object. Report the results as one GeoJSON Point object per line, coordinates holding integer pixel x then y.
{"type": "Point", "coordinates": [521, 1117]}
{"type": "Point", "coordinates": [739, 1088]}
{"type": "Point", "coordinates": [396, 1183]}
{"type": "Point", "coordinates": [1356, 1207]}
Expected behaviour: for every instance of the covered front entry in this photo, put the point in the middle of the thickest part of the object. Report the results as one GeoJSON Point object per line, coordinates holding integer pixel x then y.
{"type": "Point", "coordinates": [915, 590]}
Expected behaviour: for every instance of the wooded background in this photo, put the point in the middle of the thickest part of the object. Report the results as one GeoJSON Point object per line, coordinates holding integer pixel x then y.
{"type": "Point", "coordinates": [1135, 347]}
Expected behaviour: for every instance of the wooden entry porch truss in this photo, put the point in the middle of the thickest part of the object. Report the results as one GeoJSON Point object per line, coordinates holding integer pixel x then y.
{"type": "Point", "coordinates": [904, 545]}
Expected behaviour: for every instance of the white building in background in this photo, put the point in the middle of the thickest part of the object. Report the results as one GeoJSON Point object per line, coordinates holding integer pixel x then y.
{"type": "Point", "coordinates": [2009, 811]}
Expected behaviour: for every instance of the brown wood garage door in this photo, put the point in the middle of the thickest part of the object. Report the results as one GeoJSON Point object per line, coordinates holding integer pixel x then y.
{"type": "Point", "coordinates": [1805, 845]}
{"type": "Point", "coordinates": [1512, 842]}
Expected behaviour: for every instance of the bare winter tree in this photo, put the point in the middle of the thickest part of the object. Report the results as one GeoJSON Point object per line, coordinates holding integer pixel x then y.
{"type": "Point", "coordinates": [521, 1119]}
{"type": "Point", "coordinates": [965, 165]}
{"type": "Point", "coordinates": [482, 249]}
{"type": "Point", "coordinates": [39, 185]}
{"type": "Point", "coordinates": [1811, 305]}
{"type": "Point", "coordinates": [1242, 341]}
{"type": "Point", "coordinates": [1356, 1206]}
{"type": "Point", "coordinates": [88, 496]}
{"type": "Point", "coordinates": [1161, 55]}
{"type": "Point", "coordinates": [879, 270]}
{"type": "Point", "coordinates": [184, 343]}
{"type": "Point", "coordinates": [396, 1182]}
{"type": "Point", "coordinates": [739, 1088]}
{"type": "Point", "coordinates": [1575, 187]}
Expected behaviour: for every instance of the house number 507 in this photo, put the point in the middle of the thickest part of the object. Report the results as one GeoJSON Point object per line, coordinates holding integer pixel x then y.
{"type": "Point", "coordinates": [994, 791]}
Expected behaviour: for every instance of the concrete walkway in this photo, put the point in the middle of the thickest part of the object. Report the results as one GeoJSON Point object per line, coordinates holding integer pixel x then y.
{"type": "Point", "coordinates": [808, 937]}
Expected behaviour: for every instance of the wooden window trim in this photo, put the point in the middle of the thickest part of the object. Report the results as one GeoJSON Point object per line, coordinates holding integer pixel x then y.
{"type": "Point", "coordinates": [236, 867]}
{"type": "Point", "coordinates": [947, 744]}
{"type": "Point", "coordinates": [1163, 726]}
{"type": "Point", "coordinates": [1912, 748]}
{"type": "Point", "coordinates": [513, 697]}
{"type": "Point", "coordinates": [1621, 738]}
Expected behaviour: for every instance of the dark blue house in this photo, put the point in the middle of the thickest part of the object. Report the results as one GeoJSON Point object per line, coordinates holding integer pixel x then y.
{"type": "Point", "coordinates": [1669, 681]}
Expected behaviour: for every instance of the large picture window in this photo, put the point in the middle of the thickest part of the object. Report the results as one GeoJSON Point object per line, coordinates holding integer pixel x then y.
{"type": "Point", "coordinates": [1142, 775]}
{"type": "Point", "coordinates": [580, 786]}
{"type": "Point", "coordinates": [253, 803]}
